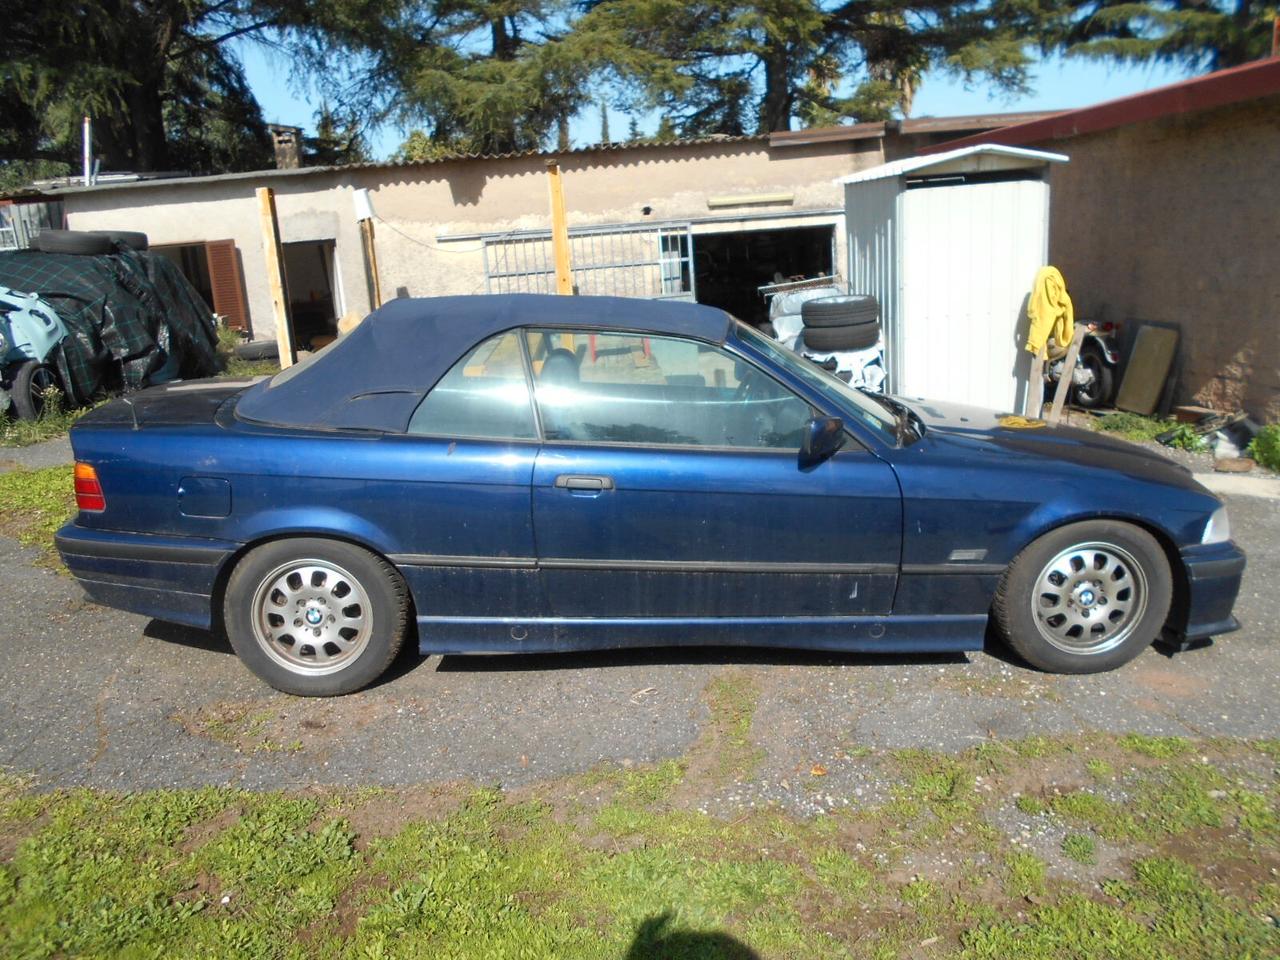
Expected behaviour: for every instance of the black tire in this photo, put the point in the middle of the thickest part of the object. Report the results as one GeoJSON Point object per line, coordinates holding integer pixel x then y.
{"type": "Point", "coordinates": [860, 336]}
{"type": "Point", "coordinates": [72, 241]}
{"type": "Point", "coordinates": [1140, 563]}
{"type": "Point", "coordinates": [1098, 393]}
{"type": "Point", "coordinates": [840, 311]}
{"type": "Point", "coordinates": [369, 580]}
{"type": "Point", "coordinates": [133, 239]}
{"type": "Point", "coordinates": [30, 381]}
{"type": "Point", "coordinates": [257, 350]}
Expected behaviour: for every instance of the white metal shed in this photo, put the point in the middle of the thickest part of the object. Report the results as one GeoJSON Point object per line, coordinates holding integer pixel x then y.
{"type": "Point", "coordinates": [949, 244]}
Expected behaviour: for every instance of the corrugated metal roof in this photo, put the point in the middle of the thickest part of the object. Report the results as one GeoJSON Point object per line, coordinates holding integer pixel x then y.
{"type": "Point", "coordinates": [939, 162]}
{"type": "Point", "coordinates": [1221, 88]}
{"type": "Point", "coordinates": [147, 180]}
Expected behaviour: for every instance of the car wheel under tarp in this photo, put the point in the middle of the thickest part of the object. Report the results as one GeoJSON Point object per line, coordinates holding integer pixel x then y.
{"type": "Point", "coordinates": [31, 383]}
{"type": "Point", "coordinates": [841, 311]}
{"type": "Point", "coordinates": [258, 350]}
{"type": "Point", "coordinates": [73, 241]}
{"type": "Point", "coordinates": [860, 336]}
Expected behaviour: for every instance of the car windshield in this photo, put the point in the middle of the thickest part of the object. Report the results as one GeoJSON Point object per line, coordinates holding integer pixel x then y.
{"type": "Point", "coordinates": [870, 412]}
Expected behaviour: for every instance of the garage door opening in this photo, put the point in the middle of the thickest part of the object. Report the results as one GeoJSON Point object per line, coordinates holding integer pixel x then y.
{"type": "Point", "coordinates": [730, 266]}
{"type": "Point", "coordinates": [314, 291]}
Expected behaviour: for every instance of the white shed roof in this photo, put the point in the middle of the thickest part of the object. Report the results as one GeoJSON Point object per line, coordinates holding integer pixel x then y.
{"type": "Point", "coordinates": [980, 157]}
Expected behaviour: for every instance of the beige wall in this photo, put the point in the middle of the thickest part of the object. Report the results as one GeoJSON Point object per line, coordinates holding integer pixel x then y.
{"type": "Point", "coordinates": [422, 204]}
{"type": "Point", "coordinates": [1176, 221]}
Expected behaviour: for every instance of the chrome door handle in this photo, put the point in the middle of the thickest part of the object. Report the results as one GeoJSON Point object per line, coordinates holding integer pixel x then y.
{"type": "Point", "coordinates": [568, 481]}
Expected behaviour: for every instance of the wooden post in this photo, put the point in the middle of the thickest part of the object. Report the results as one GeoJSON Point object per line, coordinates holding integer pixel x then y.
{"type": "Point", "coordinates": [1068, 369]}
{"type": "Point", "coordinates": [559, 231]}
{"type": "Point", "coordinates": [371, 257]}
{"type": "Point", "coordinates": [274, 257]}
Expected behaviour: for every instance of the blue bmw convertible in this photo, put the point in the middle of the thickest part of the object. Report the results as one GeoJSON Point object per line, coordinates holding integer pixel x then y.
{"type": "Point", "coordinates": [528, 473]}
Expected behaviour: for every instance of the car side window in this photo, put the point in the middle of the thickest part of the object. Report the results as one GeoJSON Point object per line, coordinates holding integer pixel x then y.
{"type": "Point", "coordinates": [484, 395]}
{"type": "Point", "coordinates": [630, 388]}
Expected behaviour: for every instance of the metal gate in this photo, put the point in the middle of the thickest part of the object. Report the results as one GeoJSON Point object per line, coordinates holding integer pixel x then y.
{"type": "Point", "coordinates": [645, 260]}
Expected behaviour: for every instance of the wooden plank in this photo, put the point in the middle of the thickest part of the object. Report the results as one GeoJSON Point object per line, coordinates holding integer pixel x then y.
{"type": "Point", "coordinates": [1035, 388]}
{"type": "Point", "coordinates": [559, 231]}
{"type": "Point", "coordinates": [371, 259]}
{"type": "Point", "coordinates": [226, 283]}
{"type": "Point", "coordinates": [274, 257]}
{"type": "Point", "coordinates": [1068, 368]}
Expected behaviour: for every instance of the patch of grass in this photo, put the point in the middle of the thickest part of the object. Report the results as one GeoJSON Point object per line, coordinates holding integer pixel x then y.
{"type": "Point", "coordinates": [1158, 748]}
{"type": "Point", "coordinates": [34, 504]}
{"type": "Point", "coordinates": [224, 873]}
{"type": "Point", "coordinates": [1098, 768]}
{"type": "Point", "coordinates": [1024, 874]}
{"type": "Point", "coordinates": [1031, 806]}
{"type": "Point", "coordinates": [54, 421]}
{"type": "Point", "coordinates": [1133, 426]}
{"type": "Point", "coordinates": [1080, 848]}
{"type": "Point", "coordinates": [1167, 912]}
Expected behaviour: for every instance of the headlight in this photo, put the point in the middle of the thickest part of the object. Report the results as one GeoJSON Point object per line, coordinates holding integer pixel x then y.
{"type": "Point", "coordinates": [1218, 529]}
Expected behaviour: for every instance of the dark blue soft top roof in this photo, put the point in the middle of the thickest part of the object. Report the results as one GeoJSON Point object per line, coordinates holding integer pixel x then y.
{"type": "Point", "coordinates": [375, 376]}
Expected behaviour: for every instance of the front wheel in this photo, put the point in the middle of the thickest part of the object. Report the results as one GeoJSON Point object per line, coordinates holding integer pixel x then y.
{"type": "Point", "coordinates": [1097, 391]}
{"type": "Point", "coordinates": [1085, 598]}
{"type": "Point", "coordinates": [315, 618]}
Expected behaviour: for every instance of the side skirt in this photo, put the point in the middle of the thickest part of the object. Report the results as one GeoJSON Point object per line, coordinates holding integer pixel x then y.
{"type": "Point", "coordinates": [912, 634]}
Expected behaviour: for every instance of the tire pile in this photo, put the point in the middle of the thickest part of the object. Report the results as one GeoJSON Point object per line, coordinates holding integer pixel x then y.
{"type": "Point", "coordinates": [841, 323]}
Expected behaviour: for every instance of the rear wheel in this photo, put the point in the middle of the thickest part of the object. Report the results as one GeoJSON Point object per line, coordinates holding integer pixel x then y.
{"type": "Point", "coordinates": [315, 618]}
{"type": "Point", "coordinates": [32, 384]}
{"type": "Point", "coordinates": [1085, 598]}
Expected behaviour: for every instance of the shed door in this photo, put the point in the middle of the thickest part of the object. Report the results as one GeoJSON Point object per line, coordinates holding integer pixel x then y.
{"type": "Point", "coordinates": [226, 283]}
{"type": "Point", "coordinates": [969, 255]}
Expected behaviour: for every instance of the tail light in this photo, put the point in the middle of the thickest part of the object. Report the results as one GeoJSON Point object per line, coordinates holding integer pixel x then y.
{"type": "Point", "coordinates": [88, 490]}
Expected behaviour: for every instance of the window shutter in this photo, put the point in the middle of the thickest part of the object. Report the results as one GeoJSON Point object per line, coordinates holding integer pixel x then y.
{"type": "Point", "coordinates": [226, 283]}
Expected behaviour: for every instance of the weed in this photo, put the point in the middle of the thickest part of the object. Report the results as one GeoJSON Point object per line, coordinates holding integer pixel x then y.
{"type": "Point", "coordinates": [1024, 874]}
{"type": "Point", "coordinates": [731, 698]}
{"type": "Point", "coordinates": [54, 420]}
{"type": "Point", "coordinates": [1265, 447]}
{"type": "Point", "coordinates": [233, 365]}
{"type": "Point", "coordinates": [1098, 768]}
{"type": "Point", "coordinates": [1079, 848]}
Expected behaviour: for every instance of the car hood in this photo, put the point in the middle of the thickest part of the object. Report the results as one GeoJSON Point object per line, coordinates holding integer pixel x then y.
{"type": "Point", "coordinates": [1020, 436]}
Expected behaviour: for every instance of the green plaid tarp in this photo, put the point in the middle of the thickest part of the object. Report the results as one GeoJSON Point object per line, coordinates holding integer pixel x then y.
{"type": "Point", "coordinates": [132, 318]}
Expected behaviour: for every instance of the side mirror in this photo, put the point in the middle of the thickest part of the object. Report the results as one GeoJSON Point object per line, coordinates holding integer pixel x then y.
{"type": "Point", "coordinates": [823, 436]}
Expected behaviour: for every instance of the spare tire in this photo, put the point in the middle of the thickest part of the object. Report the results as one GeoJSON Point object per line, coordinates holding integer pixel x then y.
{"type": "Point", "coordinates": [857, 336]}
{"type": "Point", "coordinates": [132, 239]}
{"type": "Point", "coordinates": [258, 350]}
{"type": "Point", "coordinates": [72, 241]}
{"type": "Point", "coordinates": [840, 311]}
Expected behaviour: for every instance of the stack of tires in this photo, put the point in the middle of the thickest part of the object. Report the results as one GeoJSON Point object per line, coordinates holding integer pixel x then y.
{"type": "Point", "coordinates": [838, 324]}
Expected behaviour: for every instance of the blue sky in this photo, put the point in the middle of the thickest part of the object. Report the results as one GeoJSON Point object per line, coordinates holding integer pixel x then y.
{"type": "Point", "coordinates": [1057, 84]}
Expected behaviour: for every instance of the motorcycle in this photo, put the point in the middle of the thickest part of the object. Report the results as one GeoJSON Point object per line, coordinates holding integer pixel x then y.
{"type": "Point", "coordinates": [1094, 378]}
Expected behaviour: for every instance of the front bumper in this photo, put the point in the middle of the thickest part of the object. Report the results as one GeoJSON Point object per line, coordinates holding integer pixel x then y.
{"type": "Point", "coordinates": [169, 578]}
{"type": "Point", "coordinates": [1214, 572]}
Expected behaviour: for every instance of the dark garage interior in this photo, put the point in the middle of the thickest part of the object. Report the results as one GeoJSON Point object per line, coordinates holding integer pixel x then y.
{"type": "Point", "coordinates": [730, 266]}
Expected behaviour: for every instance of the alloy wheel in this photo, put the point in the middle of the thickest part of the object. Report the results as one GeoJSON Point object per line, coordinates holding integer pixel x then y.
{"type": "Point", "coordinates": [312, 617]}
{"type": "Point", "coordinates": [1089, 598]}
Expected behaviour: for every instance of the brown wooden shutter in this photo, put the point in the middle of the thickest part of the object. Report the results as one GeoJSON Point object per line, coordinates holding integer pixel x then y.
{"type": "Point", "coordinates": [226, 283]}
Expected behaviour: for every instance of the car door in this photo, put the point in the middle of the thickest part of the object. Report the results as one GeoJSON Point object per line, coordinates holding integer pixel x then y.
{"type": "Point", "coordinates": [455, 491]}
{"type": "Point", "coordinates": [669, 485]}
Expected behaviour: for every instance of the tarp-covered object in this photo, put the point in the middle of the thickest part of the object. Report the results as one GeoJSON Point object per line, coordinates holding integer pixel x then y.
{"type": "Point", "coordinates": [374, 377]}
{"type": "Point", "coordinates": [133, 319]}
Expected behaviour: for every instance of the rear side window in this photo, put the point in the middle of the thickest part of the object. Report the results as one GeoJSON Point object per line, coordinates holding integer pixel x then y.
{"type": "Point", "coordinates": [485, 396]}
{"type": "Point", "coordinates": [628, 388]}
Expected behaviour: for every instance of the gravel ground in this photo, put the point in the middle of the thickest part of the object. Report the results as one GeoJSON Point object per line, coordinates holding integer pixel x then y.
{"type": "Point", "coordinates": [98, 697]}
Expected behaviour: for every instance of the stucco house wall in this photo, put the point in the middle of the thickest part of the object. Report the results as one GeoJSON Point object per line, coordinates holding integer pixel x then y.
{"type": "Point", "coordinates": [1175, 220]}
